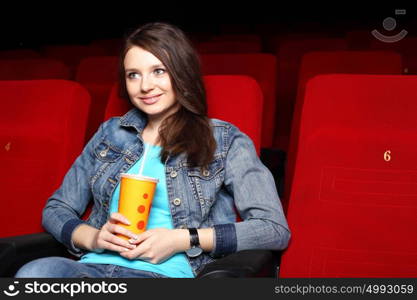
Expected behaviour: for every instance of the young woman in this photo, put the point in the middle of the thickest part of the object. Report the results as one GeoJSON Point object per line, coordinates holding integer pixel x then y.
{"type": "Point", "coordinates": [206, 168]}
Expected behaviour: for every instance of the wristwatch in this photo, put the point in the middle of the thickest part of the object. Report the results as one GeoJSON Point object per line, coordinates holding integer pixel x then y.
{"type": "Point", "coordinates": [195, 249]}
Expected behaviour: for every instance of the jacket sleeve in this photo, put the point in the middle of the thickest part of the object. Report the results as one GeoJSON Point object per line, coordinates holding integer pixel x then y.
{"type": "Point", "coordinates": [256, 199]}
{"type": "Point", "coordinates": [64, 209]}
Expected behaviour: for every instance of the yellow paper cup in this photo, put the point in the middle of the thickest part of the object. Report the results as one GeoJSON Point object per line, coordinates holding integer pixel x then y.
{"type": "Point", "coordinates": [135, 201]}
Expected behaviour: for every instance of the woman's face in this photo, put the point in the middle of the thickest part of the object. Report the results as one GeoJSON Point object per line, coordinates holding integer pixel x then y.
{"type": "Point", "coordinates": [148, 84]}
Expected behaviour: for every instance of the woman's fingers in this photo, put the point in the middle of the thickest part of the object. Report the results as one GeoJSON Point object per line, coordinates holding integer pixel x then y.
{"type": "Point", "coordinates": [118, 217]}
{"type": "Point", "coordinates": [137, 239]}
{"type": "Point", "coordinates": [108, 239]}
{"type": "Point", "coordinates": [114, 247]}
{"type": "Point", "coordinates": [109, 235]}
{"type": "Point", "coordinates": [117, 229]}
{"type": "Point", "coordinates": [139, 252]}
{"type": "Point", "coordinates": [120, 242]}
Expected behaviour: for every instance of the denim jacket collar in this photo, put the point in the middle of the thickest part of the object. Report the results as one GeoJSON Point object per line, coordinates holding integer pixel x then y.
{"type": "Point", "coordinates": [134, 118]}
{"type": "Point", "coordinates": [137, 119]}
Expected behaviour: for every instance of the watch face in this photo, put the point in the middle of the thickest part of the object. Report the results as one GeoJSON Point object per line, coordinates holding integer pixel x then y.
{"type": "Point", "coordinates": [194, 251]}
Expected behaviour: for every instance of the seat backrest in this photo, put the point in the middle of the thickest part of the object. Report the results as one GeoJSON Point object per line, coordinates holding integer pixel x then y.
{"type": "Point", "coordinates": [228, 47]}
{"type": "Point", "coordinates": [30, 69]}
{"type": "Point", "coordinates": [111, 46]}
{"type": "Point", "coordinates": [260, 66]}
{"type": "Point", "coordinates": [327, 62]}
{"type": "Point", "coordinates": [98, 69]}
{"type": "Point", "coordinates": [71, 55]}
{"type": "Point", "coordinates": [406, 46]}
{"type": "Point", "coordinates": [98, 75]}
{"type": "Point", "coordinates": [353, 204]}
{"type": "Point", "coordinates": [289, 57]}
{"type": "Point", "coordinates": [42, 131]}
{"type": "Point", "coordinates": [19, 54]}
{"type": "Point", "coordinates": [233, 98]}
{"type": "Point", "coordinates": [274, 41]}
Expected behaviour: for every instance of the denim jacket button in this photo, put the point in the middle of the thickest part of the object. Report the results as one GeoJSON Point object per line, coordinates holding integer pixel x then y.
{"type": "Point", "coordinates": [173, 174]}
{"type": "Point", "coordinates": [206, 173]}
{"type": "Point", "coordinates": [129, 161]}
{"type": "Point", "coordinates": [103, 153]}
{"type": "Point", "coordinates": [177, 201]}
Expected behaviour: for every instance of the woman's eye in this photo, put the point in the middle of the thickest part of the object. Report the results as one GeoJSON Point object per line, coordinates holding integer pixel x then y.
{"type": "Point", "coordinates": [133, 75]}
{"type": "Point", "coordinates": [159, 71]}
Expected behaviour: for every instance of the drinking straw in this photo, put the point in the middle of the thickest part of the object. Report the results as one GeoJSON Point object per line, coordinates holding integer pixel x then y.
{"type": "Point", "coordinates": [143, 160]}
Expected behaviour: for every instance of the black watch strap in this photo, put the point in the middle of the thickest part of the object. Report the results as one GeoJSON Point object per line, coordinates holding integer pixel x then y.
{"type": "Point", "coordinates": [195, 249]}
{"type": "Point", "coordinates": [194, 240]}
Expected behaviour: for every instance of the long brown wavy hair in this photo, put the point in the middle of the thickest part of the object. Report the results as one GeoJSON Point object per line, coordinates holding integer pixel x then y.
{"type": "Point", "coordinates": [187, 130]}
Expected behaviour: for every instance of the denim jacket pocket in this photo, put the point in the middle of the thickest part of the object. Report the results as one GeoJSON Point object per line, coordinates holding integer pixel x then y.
{"type": "Point", "coordinates": [209, 173]}
{"type": "Point", "coordinates": [206, 183]}
{"type": "Point", "coordinates": [106, 152]}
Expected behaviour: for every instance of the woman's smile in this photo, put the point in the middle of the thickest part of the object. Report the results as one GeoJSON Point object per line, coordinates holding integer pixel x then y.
{"type": "Point", "coordinates": [150, 99]}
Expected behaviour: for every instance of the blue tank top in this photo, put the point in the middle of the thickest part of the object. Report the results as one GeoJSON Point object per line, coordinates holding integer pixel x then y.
{"type": "Point", "coordinates": [176, 266]}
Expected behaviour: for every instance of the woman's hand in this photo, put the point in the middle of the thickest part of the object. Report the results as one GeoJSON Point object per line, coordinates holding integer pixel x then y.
{"type": "Point", "coordinates": [159, 244]}
{"type": "Point", "coordinates": [106, 237]}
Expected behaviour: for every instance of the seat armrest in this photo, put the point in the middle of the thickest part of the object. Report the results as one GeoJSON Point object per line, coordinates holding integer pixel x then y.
{"type": "Point", "coordinates": [15, 251]}
{"type": "Point", "coordinates": [246, 263]}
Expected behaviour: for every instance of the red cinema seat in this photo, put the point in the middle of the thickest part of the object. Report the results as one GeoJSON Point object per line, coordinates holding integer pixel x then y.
{"type": "Point", "coordinates": [30, 69]}
{"type": "Point", "coordinates": [236, 99]}
{"type": "Point", "coordinates": [410, 62]}
{"type": "Point", "coordinates": [19, 54]}
{"type": "Point", "coordinates": [98, 69]}
{"type": "Point", "coordinates": [289, 59]}
{"type": "Point", "coordinates": [116, 106]}
{"type": "Point", "coordinates": [407, 47]}
{"type": "Point", "coordinates": [228, 47]}
{"type": "Point", "coordinates": [198, 37]}
{"type": "Point", "coordinates": [353, 203]}
{"type": "Point", "coordinates": [326, 62]}
{"type": "Point", "coordinates": [260, 66]}
{"type": "Point", "coordinates": [233, 98]}
{"type": "Point", "coordinates": [42, 132]}
{"type": "Point", "coordinates": [71, 55]}
{"type": "Point", "coordinates": [111, 46]}
{"type": "Point", "coordinates": [403, 45]}
{"type": "Point", "coordinates": [98, 75]}
{"type": "Point", "coordinates": [273, 41]}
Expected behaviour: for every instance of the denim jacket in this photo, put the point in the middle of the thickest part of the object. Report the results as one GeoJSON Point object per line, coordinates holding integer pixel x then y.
{"type": "Point", "coordinates": [235, 182]}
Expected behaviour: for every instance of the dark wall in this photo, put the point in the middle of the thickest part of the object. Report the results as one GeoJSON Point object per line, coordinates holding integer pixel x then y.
{"type": "Point", "coordinates": [68, 22]}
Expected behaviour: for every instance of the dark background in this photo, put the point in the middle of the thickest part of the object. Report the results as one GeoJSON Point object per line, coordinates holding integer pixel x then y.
{"type": "Point", "coordinates": [32, 25]}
